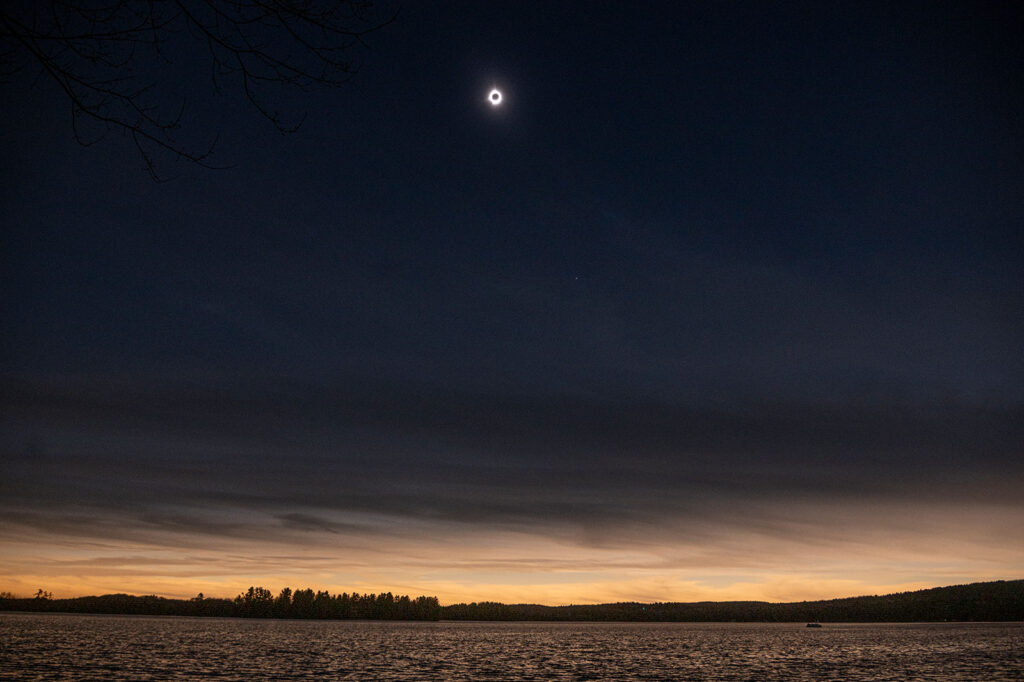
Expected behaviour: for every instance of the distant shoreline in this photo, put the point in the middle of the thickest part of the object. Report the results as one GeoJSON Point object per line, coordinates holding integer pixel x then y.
{"type": "Point", "coordinates": [997, 601]}
{"type": "Point", "coordinates": [442, 621]}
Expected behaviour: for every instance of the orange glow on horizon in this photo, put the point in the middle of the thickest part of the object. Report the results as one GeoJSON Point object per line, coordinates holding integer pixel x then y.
{"type": "Point", "coordinates": [883, 552]}
{"type": "Point", "coordinates": [772, 589]}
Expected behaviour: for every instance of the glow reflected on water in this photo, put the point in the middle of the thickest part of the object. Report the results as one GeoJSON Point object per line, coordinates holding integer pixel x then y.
{"type": "Point", "coordinates": [66, 646]}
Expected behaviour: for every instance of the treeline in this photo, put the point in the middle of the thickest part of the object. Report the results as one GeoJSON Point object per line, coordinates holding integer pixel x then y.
{"type": "Point", "coordinates": [992, 601]}
{"type": "Point", "coordinates": [257, 602]}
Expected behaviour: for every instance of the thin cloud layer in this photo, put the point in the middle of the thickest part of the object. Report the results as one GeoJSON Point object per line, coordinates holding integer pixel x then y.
{"type": "Point", "coordinates": [352, 481]}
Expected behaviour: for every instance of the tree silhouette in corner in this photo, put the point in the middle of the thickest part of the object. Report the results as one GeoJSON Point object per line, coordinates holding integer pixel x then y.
{"type": "Point", "coordinates": [107, 57]}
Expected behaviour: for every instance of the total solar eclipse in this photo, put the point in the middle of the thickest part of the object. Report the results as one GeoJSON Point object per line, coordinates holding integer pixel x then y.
{"type": "Point", "coordinates": [494, 97]}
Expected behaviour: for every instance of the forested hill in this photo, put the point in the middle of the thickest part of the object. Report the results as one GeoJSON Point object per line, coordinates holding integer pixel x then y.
{"type": "Point", "coordinates": [257, 602]}
{"type": "Point", "coordinates": [991, 601]}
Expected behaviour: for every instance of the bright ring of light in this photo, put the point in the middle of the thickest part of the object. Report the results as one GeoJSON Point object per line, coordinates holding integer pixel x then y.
{"type": "Point", "coordinates": [494, 97]}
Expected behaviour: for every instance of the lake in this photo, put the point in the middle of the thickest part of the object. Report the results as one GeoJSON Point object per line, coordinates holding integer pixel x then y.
{"type": "Point", "coordinates": [85, 647]}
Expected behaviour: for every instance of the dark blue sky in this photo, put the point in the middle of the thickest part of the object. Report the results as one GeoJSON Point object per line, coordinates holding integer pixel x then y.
{"type": "Point", "coordinates": [721, 197]}
{"type": "Point", "coordinates": [698, 242]}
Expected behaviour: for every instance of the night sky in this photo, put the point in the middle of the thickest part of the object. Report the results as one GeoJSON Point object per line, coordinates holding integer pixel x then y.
{"type": "Point", "coordinates": [724, 301]}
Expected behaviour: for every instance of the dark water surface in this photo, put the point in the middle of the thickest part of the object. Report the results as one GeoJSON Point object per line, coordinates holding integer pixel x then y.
{"type": "Point", "coordinates": [83, 647]}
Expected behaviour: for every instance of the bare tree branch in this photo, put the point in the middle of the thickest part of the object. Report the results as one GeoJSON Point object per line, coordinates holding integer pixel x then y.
{"type": "Point", "coordinates": [107, 55]}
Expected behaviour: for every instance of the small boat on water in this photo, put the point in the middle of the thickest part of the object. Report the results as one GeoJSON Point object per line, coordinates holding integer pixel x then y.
{"type": "Point", "coordinates": [814, 625]}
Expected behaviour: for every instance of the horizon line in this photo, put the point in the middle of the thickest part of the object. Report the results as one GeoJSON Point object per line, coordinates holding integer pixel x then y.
{"type": "Point", "coordinates": [5, 595]}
